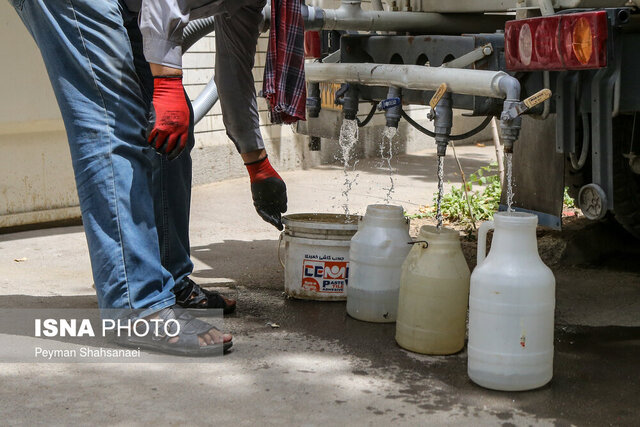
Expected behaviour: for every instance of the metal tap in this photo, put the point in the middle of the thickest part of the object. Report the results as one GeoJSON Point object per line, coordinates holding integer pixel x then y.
{"type": "Point", "coordinates": [442, 115]}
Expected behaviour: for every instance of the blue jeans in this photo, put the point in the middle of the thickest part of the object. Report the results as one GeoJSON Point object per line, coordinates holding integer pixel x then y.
{"type": "Point", "coordinates": [134, 203]}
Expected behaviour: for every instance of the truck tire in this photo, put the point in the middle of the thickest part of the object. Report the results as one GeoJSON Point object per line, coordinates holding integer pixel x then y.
{"type": "Point", "coordinates": [626, 183]}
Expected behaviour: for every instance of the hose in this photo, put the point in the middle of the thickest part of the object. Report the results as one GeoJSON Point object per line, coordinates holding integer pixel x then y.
{"type": "Point", "coordinates": [473, 131]}
{"type": "Point", "coordinates": [459, 137]}
{"type": "Point", "coordinates": [584, 153]}
{"type": "Point", "coordinates": [368, 118]}
{"type": "Point", "coordinates": [416, 125]}
{"type": "Point", "coordinates": [193, 32]}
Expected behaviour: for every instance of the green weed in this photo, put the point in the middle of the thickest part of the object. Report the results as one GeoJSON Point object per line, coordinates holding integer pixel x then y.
{"type": "Point", "coordinates": [484, 202]}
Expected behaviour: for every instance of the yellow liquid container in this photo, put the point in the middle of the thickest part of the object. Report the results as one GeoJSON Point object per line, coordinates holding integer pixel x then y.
{"type": "Point", "coordinates": [434, 294]}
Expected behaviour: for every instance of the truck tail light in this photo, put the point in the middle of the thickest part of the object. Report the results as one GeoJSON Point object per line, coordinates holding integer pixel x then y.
{"type": "Point", "coordinates": [559, 42]}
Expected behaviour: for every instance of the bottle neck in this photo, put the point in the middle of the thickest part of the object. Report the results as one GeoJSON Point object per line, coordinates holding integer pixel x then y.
{"type": "Point", "coordinates": [441, 243]}
{"type": "Point", "coordinates": [378, 221]}
{"type": "Point", "coordinates": [515, 241]}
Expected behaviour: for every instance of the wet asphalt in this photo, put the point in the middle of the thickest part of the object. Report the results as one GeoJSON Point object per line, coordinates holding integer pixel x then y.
{"type": "Point", "coordinates": [596, 374]}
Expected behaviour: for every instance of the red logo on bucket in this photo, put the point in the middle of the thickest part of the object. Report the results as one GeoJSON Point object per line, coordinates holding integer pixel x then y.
{"type": "Point", "coordinates": [309, 284]}
{"type": "Point", "coordinates": [333, 276]}
{"type": "Point", "coordinates": [335, 270]}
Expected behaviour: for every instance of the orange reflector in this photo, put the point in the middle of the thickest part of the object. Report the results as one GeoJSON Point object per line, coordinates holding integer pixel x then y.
{"type": "Point", "coordinates": [582, 40]}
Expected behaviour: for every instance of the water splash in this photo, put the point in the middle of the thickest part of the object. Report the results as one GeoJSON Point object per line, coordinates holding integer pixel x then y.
{"type": "Point", "coordinates": [509, 172]}
{"type": "Point", "coordinates": [388, 135]}
{"type": "Point", "coordinates": [348, 140]}
{"type": "Point", "coordinates": [440, 191]}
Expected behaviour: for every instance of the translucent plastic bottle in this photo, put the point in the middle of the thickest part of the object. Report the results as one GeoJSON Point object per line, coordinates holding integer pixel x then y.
{"type": "Point", "coordinates": [377, 252]}
{"type": "Point", "coordinates": [511, 308]}
{"type": "Point", "coordinates": [434, 291]}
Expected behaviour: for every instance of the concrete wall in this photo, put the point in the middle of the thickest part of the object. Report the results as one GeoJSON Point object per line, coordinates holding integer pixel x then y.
{"type": "Point", "coordinates": [36, 181]}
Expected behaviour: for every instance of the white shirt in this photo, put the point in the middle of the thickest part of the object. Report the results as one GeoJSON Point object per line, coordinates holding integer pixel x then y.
{"type": "Point", "coordinates": [162, 22]}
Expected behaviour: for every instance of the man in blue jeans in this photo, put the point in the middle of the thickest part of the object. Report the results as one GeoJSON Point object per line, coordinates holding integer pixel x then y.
{"type": "Point", "coordinates": [115, 67]}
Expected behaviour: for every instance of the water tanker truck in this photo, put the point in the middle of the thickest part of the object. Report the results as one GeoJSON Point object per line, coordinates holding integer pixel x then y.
{"type": "Point", "coordinates": [559, 75]}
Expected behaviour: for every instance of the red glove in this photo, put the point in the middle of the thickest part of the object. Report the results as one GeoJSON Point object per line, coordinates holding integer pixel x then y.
{"type": "Point", "coordinates": [170, 126]}
{"type": "Point", "coordinates": [269, 192]}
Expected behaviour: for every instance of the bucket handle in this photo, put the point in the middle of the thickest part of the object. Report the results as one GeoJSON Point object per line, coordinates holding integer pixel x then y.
{"type": "Point", "coordinates": [279, 251]}
{"type": "Point", "coordinates": [482, 240]}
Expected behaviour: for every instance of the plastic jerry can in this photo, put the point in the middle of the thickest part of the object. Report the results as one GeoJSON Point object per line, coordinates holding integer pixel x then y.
{"type": "Point", "coordinates": [434, 292]}
{"type": "Point", "coordinates": [376, 255]}
{"type": "Point", "coordinates": [511, 308]}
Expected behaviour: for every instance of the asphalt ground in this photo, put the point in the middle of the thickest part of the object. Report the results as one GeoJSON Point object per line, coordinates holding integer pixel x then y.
{"type": "Point", "coordinates": [319, 366]}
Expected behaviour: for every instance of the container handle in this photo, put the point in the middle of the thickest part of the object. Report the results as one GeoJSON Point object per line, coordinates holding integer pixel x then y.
{"type": "Point", "coordinates": [279, 247]}
{"type": "Point", "coordinates": [482, 240]}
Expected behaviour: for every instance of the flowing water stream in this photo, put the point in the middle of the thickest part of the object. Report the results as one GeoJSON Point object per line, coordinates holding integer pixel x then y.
{"type": "Point", "coordinates": [348, 140]}
{"type": "Point", "coordinates": [440, 191]}
{"type": "Point", "coordinates": [509, 179]}
{"type": "Point", "coordinates": [386, 155]}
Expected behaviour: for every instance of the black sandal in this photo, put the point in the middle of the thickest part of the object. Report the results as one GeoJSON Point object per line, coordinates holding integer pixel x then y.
{"type": "Point", "coordinates": [188, 343]}
{"type": "Point", "coordinates": [198, 300]}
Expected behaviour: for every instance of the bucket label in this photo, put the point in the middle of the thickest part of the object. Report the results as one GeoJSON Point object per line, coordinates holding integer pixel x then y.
{"type": "Point", "coordinates": [328, 276]}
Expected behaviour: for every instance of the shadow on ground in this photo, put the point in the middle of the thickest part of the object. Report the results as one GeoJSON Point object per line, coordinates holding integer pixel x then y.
{"type": "Point", "coordinates": [248, 263]}
{"type": "Point", "coordinates": [27, 231]}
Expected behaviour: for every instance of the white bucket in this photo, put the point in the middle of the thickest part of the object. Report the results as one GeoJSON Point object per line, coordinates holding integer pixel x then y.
{"type": "Point", "coordinates": [316, 255]}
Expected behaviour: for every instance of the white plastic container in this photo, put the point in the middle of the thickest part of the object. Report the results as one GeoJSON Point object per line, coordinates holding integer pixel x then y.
{"type": "Point", "coordinates": [434, 292]}
{"type": "Point", "coordinates": [378, 250]}
{"type": "Point", "coordinates": [511, 308]}
{"type": "Point", "coordinates": [316, 255]}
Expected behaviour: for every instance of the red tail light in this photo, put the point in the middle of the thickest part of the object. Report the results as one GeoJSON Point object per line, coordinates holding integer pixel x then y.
{"type": "Point", "coordinates": [561, 42]}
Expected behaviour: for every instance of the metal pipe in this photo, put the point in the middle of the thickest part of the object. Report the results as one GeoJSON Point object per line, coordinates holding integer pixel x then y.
{"type": "Point", "coordinates": [350, 17]}
{"type": "Point", "coordinates": [442, 123]}
{"type": "Point", "coordinates": [493, 84]}
{"type": "Point", "coordinates": [467, 82]}
{"type": "Point", "coordinates": [546, 80]}
{"type": "Point", "coordinates": [348, 96]}
{"type": "Point", "coordinates": [314, 102]}
{"type": "Point", "coordinates": [510, 126]}
{"type": "Point", "coordinates": [392, 113]}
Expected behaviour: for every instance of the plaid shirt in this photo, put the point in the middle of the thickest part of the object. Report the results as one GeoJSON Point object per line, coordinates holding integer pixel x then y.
{"type": "Point", "coordinates": [284, 84]}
